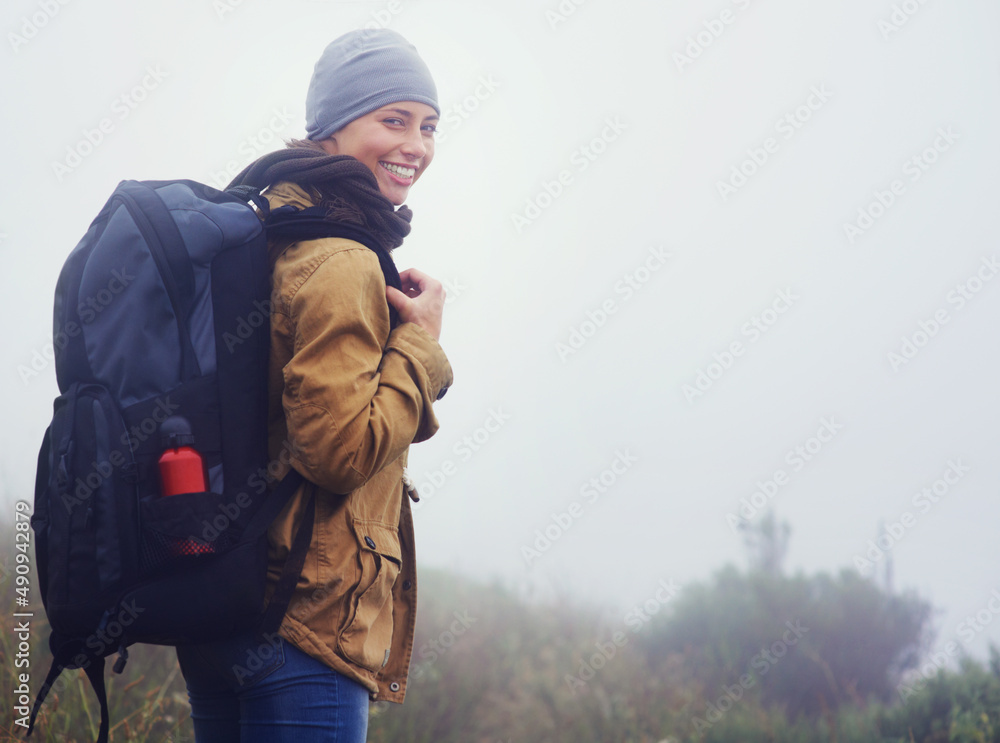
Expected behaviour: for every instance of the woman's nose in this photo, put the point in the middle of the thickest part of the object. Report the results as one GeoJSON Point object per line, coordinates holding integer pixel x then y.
{"type": "Point", "coordinates": [414, 144]}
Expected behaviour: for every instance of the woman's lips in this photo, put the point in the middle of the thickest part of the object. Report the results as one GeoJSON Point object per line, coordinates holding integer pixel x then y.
{"type": "Point", "coordinates": [401, 174]}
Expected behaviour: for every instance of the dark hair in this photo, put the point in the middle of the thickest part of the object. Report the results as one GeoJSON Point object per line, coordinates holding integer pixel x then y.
{"type": "Point", "coordinates": [346, 187]}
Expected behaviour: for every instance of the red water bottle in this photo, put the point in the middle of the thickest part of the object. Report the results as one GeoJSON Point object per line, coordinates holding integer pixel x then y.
{"type": "Point", "coordinates": [182, 470]}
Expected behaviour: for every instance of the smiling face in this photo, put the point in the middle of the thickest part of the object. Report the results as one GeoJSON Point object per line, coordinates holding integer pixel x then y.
{"type": "Point", "coordinates": [396, 142]}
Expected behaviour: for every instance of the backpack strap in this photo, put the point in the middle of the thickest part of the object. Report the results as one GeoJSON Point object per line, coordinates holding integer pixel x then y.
{"type": "Point", "coordinates": [292, 569]}
{"type": "Point", "coordinates": [166, 245]}
{"type": "Point", "coordinates": [275, 502]}
{"type": "Point", "coordinates": [54, 670]}
{"type": "Point", "coordinates": [95, 674]}
{"type": "Point", "coordinates": [312, 224]}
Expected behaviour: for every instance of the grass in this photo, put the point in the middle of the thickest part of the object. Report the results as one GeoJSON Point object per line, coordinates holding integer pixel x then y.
{"type": "Point", "coordinates": [489, 667]}
{"type": "Point", "coordinates": [148, 701]}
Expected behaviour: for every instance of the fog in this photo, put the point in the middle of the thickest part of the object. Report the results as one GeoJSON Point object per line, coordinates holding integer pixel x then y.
{"type": "Point", "coordinates": [703, 259]}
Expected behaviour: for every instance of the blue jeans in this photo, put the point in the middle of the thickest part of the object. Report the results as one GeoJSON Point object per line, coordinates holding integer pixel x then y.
{"type": "Point", "coordinates": [252, 689]}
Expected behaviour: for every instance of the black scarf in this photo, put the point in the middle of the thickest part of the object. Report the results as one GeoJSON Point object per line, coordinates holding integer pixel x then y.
{"type": "Point", "coordinates": [350, 197]}
{"type": "Point", "coordinates": [349, 189]}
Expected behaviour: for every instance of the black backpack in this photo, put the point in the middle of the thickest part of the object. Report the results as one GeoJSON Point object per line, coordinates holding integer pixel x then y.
{"type": "Point", "coordinates": [162, 324]}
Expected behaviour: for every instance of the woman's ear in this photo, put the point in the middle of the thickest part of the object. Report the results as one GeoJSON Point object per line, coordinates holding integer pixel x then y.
{"type": "Point", "coordinates": [330, 145]}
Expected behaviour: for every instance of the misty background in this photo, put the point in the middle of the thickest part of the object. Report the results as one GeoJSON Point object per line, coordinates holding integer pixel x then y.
{"type": "Point", "coordinates": [583, 143]}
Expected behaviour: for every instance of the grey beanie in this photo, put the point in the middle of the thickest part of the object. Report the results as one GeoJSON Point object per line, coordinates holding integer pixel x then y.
{"type": "Point", "coordinates": [360, 72]}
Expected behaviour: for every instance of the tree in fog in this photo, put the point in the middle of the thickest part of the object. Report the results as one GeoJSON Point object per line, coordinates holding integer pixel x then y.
{"type": "Point", "coordinates": [807, 644]}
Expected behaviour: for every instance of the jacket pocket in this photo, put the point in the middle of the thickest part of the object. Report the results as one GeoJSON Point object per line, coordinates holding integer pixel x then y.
{"type": "Point", "coordinates": [367, 635]}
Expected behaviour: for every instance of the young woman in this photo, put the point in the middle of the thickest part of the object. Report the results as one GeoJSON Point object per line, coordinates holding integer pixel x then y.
{"type": "Point", "coordinates": [355, 369]}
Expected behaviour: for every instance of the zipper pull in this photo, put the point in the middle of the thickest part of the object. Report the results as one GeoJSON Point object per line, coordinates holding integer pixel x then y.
{"type": "Point", "coordinates": [409, 487]}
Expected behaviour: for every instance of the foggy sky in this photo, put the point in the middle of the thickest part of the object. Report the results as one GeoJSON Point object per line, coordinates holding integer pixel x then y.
{"type": "Point", "coordinates": [694, 251]}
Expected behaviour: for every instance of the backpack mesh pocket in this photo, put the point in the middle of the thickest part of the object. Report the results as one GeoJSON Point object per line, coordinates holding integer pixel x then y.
{"type": "Point", "coordinates": [178, 528]}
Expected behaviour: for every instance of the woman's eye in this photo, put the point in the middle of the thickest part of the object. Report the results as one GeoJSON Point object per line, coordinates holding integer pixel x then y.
{"type": "Point", "coordinates": [430, 128]}
{"type": "Point", "coordinates": [394, 121]}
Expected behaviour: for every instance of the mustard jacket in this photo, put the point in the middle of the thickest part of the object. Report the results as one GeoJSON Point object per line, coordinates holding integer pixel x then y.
{"type": "Point", "coordinates": [347, 397]}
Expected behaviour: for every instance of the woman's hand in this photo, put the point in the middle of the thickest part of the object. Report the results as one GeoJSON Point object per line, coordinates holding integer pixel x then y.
{"type": "Point", "coordinates": [420, 302]}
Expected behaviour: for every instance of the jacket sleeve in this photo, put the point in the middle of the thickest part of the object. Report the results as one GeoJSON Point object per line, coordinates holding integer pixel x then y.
{"type": "Point", "coordinates": [353, 406]}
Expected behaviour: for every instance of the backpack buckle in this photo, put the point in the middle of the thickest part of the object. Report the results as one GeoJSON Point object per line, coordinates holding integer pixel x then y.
{"type": "Point", "coordinates": [122, 659]}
